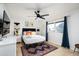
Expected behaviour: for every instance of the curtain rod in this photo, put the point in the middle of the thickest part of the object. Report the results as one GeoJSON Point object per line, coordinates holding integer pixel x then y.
{"type": "Point", "coordinates": [58, 20]}
{"type": "Point", "coordinates": [62, 17]}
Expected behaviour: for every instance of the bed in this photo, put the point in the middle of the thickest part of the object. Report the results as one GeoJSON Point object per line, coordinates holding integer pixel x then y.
{"type": "Point", "coordinates": [31, 39]}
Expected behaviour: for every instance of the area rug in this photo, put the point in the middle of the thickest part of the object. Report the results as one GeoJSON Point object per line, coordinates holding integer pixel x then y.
{"type": "Point", "coordinates": [38, 50]}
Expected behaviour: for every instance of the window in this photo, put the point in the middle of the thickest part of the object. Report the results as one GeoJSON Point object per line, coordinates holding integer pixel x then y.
{"type": "Point", "coordinates": [57, 26]}
{"type": "Point", "coordinates": [51, 27]}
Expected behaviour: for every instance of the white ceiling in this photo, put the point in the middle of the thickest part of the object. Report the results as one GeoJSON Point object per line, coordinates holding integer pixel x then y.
{"type": "Point", "coordinates": [22, 10]}
{"type": "Point", "coordinates": [36, 6]}
{"type": "Point", "coordinates": [30, 6]}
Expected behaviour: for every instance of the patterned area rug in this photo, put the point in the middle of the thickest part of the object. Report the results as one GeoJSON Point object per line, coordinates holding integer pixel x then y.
{"type": "Point", "coordinates": [38, 50]}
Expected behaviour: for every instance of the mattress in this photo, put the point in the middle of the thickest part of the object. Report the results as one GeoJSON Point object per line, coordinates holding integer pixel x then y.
{"type": "Point", "coordinates": [33, 39]}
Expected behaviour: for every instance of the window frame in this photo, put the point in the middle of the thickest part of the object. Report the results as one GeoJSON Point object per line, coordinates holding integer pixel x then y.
{"type": "Point", "coordinates": [54, 24]}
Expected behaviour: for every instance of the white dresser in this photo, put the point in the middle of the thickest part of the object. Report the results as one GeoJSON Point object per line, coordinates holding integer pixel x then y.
{"type": "Point", "coordinates": [8, 46]}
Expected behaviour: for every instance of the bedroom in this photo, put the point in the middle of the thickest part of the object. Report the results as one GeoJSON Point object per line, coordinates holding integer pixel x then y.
{"type": "Point", "coordinates": [23, 16]}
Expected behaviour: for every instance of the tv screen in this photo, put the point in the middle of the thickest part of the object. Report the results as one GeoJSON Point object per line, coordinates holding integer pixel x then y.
{"type": "Point", "coordinates": [1, 26]}
{"type": "Point", "coordinates": [6, 24]}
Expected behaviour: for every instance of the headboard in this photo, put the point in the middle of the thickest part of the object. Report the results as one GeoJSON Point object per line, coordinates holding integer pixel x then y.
{"type": "Point", "coordinates": [28, 29]}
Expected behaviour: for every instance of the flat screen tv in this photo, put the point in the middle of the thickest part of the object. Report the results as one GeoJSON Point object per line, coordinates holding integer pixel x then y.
{"type": "Point", "coordinates": [1, 26]}
{"type": "Point", "coordinates": [6, 24]}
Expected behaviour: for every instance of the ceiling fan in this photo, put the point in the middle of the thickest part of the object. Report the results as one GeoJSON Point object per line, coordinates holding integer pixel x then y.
{"type": "Point", "coordinates": [40, 16]}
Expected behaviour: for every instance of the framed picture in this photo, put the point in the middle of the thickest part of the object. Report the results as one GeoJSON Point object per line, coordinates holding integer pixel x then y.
{"type": "Point", "coordinates": [29, 23]}
{"type": "Point", "coordinates": [26, 23]}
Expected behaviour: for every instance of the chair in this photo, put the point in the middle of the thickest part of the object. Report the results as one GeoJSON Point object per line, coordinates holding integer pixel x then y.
{"type": "Point", "coordinates": [76, 46]}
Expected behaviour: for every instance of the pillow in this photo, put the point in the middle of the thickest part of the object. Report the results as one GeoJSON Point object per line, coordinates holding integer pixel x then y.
{"type": "Point", "coordinates": [33, 33]}
{"type": "Point", "coordinates": [24, 33]}
{"type": "Point", "coordinates": [29, 33]}
{"type": "Point", "coordinates": [27, 36]}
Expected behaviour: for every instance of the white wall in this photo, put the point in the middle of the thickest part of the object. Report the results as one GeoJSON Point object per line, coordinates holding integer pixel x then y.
{"type": "Point", "coordinates": [73, 28]}
{"type": "Point", "coordinates": [41, 24]}
{"type": "Point", "coordinates": [1, 10]}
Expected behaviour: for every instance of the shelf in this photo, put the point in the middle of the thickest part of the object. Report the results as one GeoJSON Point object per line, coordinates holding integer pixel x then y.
{"type": "Point", "coordinates": [17, 23]}
{"type": "Point", "coordinates": [7, 22]}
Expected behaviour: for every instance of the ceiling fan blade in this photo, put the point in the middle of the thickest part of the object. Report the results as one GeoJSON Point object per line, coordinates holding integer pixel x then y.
{"type": "Point", "coordinates": [45, 15]}
{"type": "Point", "coordinates": [35, 12]}
{"type": "Point", "coordinates": [41, 17]}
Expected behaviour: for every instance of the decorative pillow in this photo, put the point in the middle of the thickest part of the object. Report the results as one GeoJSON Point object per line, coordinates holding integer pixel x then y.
{"type": "Point", "coordinates": [24, 33]}
{"type": "Point", "coordinates": [33, 33]}
{"type": "Point", "coordinates": [29, 33]}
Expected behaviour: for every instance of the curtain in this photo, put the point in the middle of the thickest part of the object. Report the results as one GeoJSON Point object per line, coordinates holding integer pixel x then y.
{"type": "Point", "coordinates": [46, 31]}
{"type": "Point", "coordinates": [65, 40]}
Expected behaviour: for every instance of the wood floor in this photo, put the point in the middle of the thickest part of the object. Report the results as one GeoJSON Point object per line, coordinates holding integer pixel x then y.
{"type": "Point", "coordinates": [58, 52]}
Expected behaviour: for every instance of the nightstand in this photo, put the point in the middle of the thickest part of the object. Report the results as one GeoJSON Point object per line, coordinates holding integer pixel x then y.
{"type": "Point", "coordinates": [18, 38]}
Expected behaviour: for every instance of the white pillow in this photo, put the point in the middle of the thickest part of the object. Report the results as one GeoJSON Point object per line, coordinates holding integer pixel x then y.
{"type": "Point", "coordinates": [33, 33]}
{"type": "Point", "coordinates": [27, 36]}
